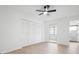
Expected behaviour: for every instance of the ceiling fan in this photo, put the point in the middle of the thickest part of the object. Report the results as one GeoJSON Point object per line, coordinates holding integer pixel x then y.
{"type": "Point", "coordinates": [46, 10]}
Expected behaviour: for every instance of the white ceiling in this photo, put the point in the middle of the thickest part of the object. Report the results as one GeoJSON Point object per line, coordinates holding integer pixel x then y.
{"type": "Point", "coordinates": [61, 11]}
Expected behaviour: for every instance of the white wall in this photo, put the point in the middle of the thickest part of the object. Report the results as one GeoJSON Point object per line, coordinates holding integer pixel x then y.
{"type": "Point", "coordinates": [62, 30]}
{"type": "Point", "coordinates": [11, 30]}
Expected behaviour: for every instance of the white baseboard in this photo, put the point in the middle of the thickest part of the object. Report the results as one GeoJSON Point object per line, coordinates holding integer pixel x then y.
{"type": "Point", "coordinates": [10, 49]}
{"type": "Point", "coordinates": [19, 47]}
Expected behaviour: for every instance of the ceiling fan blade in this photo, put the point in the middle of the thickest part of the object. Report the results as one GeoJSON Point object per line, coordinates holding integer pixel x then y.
{"type": "Point", "coordinates": [40, 10]}
{"type": "Point", "coordinates": [41, 13]}
{"type": "Point", "coordinates": [52, 10]}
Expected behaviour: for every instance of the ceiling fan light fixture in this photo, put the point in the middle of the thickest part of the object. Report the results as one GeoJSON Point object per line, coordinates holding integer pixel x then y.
{"type": "Point", "coordinates": [45, 13]}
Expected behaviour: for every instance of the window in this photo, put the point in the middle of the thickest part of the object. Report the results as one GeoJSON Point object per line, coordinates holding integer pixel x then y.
{"type": "Point", "coordinates": [52, 30]}
{"type": "Point", "coordinates": [73, 28]}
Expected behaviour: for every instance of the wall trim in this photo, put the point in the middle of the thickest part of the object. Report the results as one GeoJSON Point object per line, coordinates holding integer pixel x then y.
{"type": "Point", "coordinates": [16, 48]}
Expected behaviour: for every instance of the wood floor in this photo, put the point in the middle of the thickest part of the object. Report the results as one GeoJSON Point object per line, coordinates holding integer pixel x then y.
{"type": "Point", "coordinates": [49, 48]}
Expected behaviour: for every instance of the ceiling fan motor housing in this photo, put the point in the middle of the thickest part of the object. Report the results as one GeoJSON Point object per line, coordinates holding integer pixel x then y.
{"type": "Point", "coordinates": [46, 6]}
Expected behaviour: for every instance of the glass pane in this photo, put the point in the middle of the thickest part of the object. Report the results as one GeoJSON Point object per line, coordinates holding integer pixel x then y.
{"type": "Point", "coordinates": [52, 30]}
{"type": "Point", "coordinates": [72, 28]}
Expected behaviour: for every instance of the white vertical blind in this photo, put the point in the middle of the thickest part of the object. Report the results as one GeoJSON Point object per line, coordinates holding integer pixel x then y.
{"type": "Point", "coordinates": [31, 31]}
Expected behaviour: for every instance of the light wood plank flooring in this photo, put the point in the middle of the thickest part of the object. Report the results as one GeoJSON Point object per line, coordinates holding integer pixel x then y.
{"type": "Point", "coordinates": [48, 48]}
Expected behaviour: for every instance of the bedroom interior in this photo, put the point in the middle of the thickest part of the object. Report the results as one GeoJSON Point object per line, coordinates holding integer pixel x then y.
{"type": "Point", "coordinates": [39, 29]}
